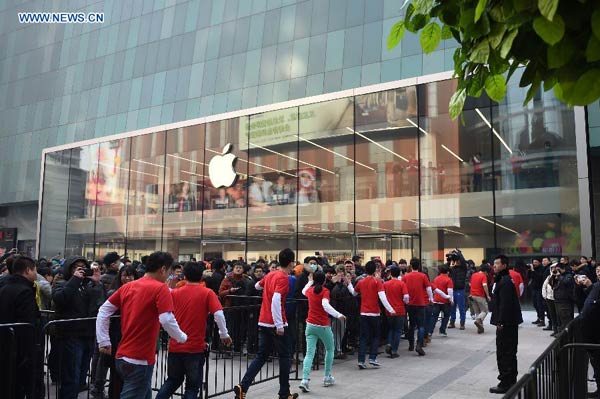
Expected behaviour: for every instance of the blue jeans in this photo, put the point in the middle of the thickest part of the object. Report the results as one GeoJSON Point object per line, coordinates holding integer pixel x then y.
{"type": "Point", "coordinates": [416, 320]}
{"type": "Point", "coordinates": [137, 380]}
{"type": "Point", "coordinates": [369, 335]}
{"type": "Point", "coordinates": [459, 300]}
{"type": "Point", "coordinates": [267, 337]}
{"type": "Point", "coordinates": [74, 364]}
{"type": "Point", "coordinates": [395, 327]}
{"type": "Point", "coordinates": [437, 308]}
{"type": "Point", "coordinates": [180, 365]}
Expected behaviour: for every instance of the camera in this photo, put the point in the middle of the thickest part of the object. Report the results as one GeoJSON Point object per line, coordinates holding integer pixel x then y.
{"type": "Point", "coordinates": [88, 272]}
{"type": "Point", "coordinates": [454, 256]}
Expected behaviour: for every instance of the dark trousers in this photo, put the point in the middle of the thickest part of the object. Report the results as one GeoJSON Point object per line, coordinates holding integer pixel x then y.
{"type": "Point", "coordinates": [369, 337]}
{"type": "Point", "coordinates": [179, 366]}
{"type": "Point", "coordinates": [267, 338]}
{"type": "Point", "coordinates": [507, 339]}
{"type": "Point", "coordinates": [552, 314]}
{"type": "Point", "coordinates": [416, 321]}
{"type": "Point", "coordinates": [595, 361]}
{"type": "Point", "coordinates": [74, 365]}
{"type": "Point", "coordinates": [539, 303]}
{"type": "Point", "coordinates": [395, 327]}
{"type": "Point", "coordinates": [445, 309]}
{"type": "Point", "coordinates": [564, 314]}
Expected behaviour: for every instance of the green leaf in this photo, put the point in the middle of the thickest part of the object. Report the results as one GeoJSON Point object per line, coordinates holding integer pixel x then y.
{"type": "Point", "coordinates": [496, 35]}
{"type": "Point", "coordinates": [550, 81]}
{"type": "Point", "coordinates": [481, 4]}
{"type": "Point", "coordinates": [587, 88]}
{"type": "Point", "coordinates": [396, 34]}
{"type": "Point", "coordinates": [563, 90]}
{"type": "Point", "coordinates": [495, 87]}
{"type": "Point", "coordinates": [481, 52]}
{"type": "Point", "coordinates": [561, 53]}
{"type": "Point", "coordinates": [524, 5]}
{"type": "Point", "coordinates": [592, 51]}
{"type": "Point", "coordinates": [423, 6]}
{"type": "Point", "coordinates": [535, 86]}
{"type": "Point", "coordinates": [548, 8]}
{"type": "Point", "coordinates": [508, 42]}
{"type": "Point", "coordinates": [596, 23]}
{"type": "Point", "coordinates": [446, 32]}
{"type": "Point", "coordinates": [457, 102]}
{"type": "Point", "coordinates": [502, 12]}
{"type": "Point", "coordinates": [475, 84]}
{"type": "Point", "coordinates": [550, 31]}
{"type": "Point", "coordinates": [431, 36]}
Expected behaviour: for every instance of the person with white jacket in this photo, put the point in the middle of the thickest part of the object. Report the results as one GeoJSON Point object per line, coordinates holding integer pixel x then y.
{"type": "Point", "coordinates": [548, 295]}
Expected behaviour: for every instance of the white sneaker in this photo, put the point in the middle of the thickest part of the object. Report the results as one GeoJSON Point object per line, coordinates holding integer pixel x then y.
{"type": "Point", "coordinates": [328, 381]}
{"type": "Point", "coordinates": [304, 386]}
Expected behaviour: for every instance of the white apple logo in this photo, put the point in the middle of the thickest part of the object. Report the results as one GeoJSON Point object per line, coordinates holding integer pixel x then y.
{"type": "Point", "coordinates": [220, 169]}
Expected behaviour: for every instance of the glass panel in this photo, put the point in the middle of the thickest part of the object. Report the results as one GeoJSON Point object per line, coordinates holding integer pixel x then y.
{"type": "Point", "coordinates": [54, 204]}
{"type": "Point", "coordinates": [535, 157]}
{"type": "Point", "coordinates": [111, 213]}
{"type": "Point", "coordinates": [83, 198]}
{"type": "Point", "coordinates": [456, 178]}
{"type": "Point", "coordinates": [224, 198]}
{"type": "Point", "coordinates": [185, 180]}
{"type": "Point", "coordinates": [386, 165]}
{"type": "Point", "coordinates": [146, 195]}
{"type": "Point", "coordinates": [273, 163]}
{"type": "Point", "coordinates": [326, 179]}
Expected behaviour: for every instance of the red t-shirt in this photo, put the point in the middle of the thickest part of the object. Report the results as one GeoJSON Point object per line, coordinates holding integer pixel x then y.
{"type": "Point", "coordinates": [273, 282]}
{"type": "Point", "coordinates": [193, 303]}
{"type": "Point", "coordinates": [394, 291]}
{"type": "Point", "coordinates": [369, 288]}
{"type": "Point", "coordinates": [417, 283]}
{"type": "Point", "coordinates": [316, 314]}
{"type": "Point", "coordinates": [141, 302]}
{"type": "Point", "coordinates": [517, 280]}
{"type": "Point", "coordinates": [442, 282]}
{"type": "Point", "coordinates": [477, 281]}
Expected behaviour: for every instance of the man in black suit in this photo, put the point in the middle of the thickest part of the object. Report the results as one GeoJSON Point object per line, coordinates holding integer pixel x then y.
{"type": "Point", "coordinates": [506, 316]}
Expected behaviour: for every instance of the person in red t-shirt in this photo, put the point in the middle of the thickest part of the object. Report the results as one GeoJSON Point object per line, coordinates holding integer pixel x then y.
{"type": "Point", "coordinates": [517, 280]}
{"type": "Point", "coordinates": [480, 296]}
{"type": "Point", "coordinates": [273, 327]}
{"type": "Point", "coordinates": [318, 327]}
{"type": "Point", "coordinates": [397, 294]}
{"type": "Point", "coordinates": [145, 304]}
{"type": "Point", "coordinates": [418, 289]}
{"type": "Point", "coordinates": [443, 298]}
{"type": "Point", "coordinates": [370, 289]}
{"type": "Point", "coordinates": [193, 303]}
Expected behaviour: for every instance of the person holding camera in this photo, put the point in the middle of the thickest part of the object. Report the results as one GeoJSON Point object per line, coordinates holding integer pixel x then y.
{"type": "Point", "coordinates": [564, 299]}
{"type": "Point", "coordinates": [79, 295]}
{"type": "Point", "coordinates": [458, 274]}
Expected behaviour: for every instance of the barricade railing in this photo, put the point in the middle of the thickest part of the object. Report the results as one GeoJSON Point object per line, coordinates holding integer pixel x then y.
{"type": "Point", "coordinates": [561, 371]}
{"type": "Point", "coordinates": [18, 348]}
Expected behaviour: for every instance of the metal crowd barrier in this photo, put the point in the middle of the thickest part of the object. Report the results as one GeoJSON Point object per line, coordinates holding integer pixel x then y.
{"type": "Point", "coordinates": [18, 348]}
{"type": "Point", "coordinates": [561, 371]}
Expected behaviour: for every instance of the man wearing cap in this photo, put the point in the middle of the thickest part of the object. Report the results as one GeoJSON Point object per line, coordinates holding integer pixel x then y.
{"type": "Point", "coordinates": [112, 262]}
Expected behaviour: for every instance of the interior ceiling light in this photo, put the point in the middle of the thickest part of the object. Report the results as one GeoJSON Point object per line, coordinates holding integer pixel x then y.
{"type": "Point", "coordinates": [336, 153]}
{"type": "Point", "coordinates": [452, 153]}
{"type": "Point", "coordinates": [493, 130]}
{"type": "Point", "coordinates": [417, 126]}
{"type": "Point", "coordinates": [498, 224]}
{"type": "Point", "coordinates": [378, 145]}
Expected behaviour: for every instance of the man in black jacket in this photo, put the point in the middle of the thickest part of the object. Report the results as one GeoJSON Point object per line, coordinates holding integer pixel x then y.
{"type": "Point", "coordinates": [536, 280]}
{"type": "Point", "coordinates": [18, 305]}
{"type": "Point", "coordinates": [77, 296]}
{"type": "Point", "coordinates": [458, 274]}
{"type": "Point", "coordinates": [506, 316]}
{"type": "Point", "coordinates": [564, 296]}
{"type": "Point", "coordinates": [590, 317]}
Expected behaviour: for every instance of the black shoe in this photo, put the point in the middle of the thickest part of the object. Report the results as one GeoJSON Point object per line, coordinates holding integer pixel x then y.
{"type": "Point", "coordinates": [592, 394]}
{"type": "Point", "coordinates": [239, 392]}
{"type": "Point", "coordinates": [394, 355]}
{"type": "Point", "coordinates": [420, 350]}
{"type": "Point", "coordinates": [411, 347]}
{"type": "Point", "coordinates": [549, 328]}
{"type": "Point", "coordinates": [290, 396]}
{"type": "Point", "coordinates": [498, 389]}
{"type": "Point", "coordinates": [388, 349]}
{"type": "Point", "coordinates": [536, 322]}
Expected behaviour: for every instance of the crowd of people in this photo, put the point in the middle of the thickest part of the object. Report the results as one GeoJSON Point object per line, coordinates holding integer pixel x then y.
{"type": "Point", "coordinates": [347, 307]}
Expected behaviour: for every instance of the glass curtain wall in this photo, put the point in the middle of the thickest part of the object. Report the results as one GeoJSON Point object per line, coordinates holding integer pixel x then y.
{"type": "Point", "coordinates": [386, 174]}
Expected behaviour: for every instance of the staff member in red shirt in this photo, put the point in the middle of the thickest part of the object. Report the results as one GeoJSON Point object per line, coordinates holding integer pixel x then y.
{"type": "Point", "coordinates": [192, 303]}
{"type": "Point", "coordinates": [318, 327]}
{"type": "Point", "coordinates": [517, 280]}
{"type": "Point", "coordinates": [443, 298]}
{"type": "Point", "coordinates": [418, 289]}
{"type": "Point", "coordinates": [397, 294]}
{"type": "Point", "coordinates": [370, 289]}
{"type": "Point", "coordinates": [144, 304]}
{"type": "Point", "coordinates": [480, 295]}
{"type": "Point", "coordinates": [273, 327]}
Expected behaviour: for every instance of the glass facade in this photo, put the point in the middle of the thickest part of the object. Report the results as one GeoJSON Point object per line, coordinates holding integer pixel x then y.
{"type": "Point", "coordinates": [385, 174]}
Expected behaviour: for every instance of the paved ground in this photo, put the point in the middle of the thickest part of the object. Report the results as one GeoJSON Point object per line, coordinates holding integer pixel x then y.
{"type": "Point", "coordinates": [462, 365]}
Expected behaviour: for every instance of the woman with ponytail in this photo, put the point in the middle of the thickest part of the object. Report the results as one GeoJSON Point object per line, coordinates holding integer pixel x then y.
{"type": "Point", "coordinates": [318, 327]}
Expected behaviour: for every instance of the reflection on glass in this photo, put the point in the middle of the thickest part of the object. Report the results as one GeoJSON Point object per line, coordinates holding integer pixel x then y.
{"type": "Point", "coordinates": [54, 204]}
{"type": "Point", "coordinates": [84, 184]}
{"type": "Point", "coordinates": [146, 193]}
